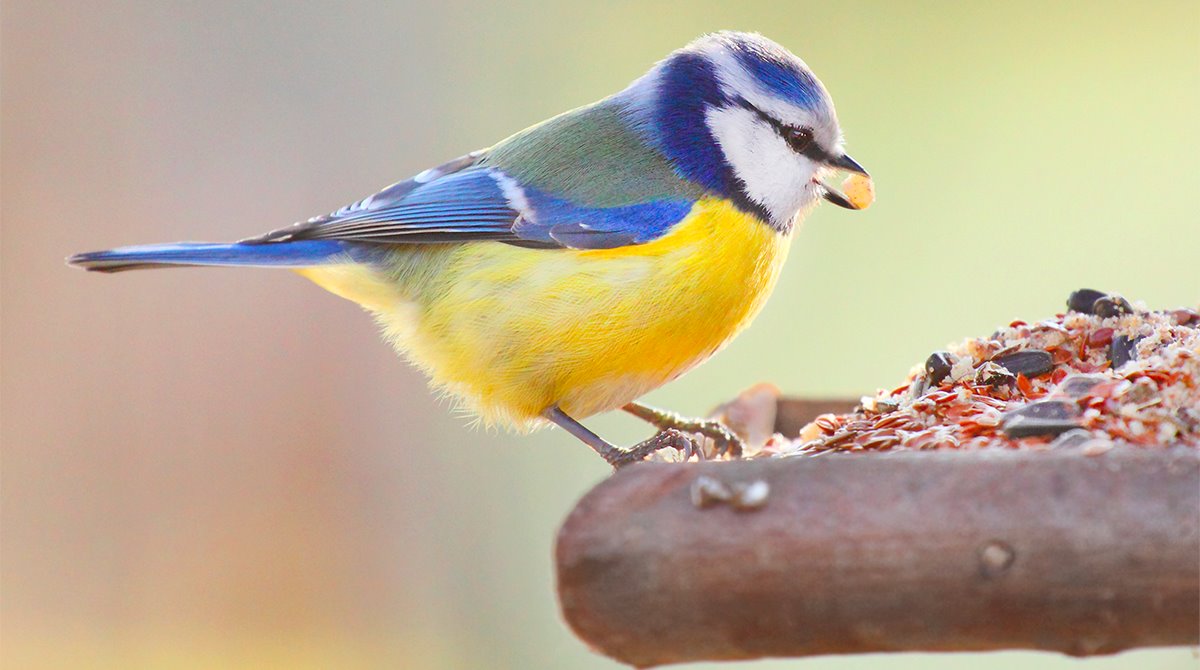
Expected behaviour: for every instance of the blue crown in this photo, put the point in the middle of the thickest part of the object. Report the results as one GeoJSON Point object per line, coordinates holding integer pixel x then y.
{"type": "Point", "coordinates": [780, 73]}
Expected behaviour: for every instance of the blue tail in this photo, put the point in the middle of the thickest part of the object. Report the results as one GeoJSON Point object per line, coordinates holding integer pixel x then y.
{"type": "Point", "coordinates": [277, 254]}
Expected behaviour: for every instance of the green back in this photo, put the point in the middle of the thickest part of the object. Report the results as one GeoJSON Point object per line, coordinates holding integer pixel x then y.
{"type": "Point", "coordinates": [592, 157]}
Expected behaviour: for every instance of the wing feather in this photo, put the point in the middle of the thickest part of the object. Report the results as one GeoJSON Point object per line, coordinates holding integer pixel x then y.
{"type": "Point", "coordinates": [527, 191]}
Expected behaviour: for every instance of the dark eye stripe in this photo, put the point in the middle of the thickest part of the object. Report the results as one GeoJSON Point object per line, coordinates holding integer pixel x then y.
{"type": "Point", "coordinates": [800, 139]}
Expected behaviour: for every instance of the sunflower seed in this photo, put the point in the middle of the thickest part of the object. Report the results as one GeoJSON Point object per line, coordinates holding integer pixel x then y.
{"type": "Point", "coordinates": [938, 366]}
{"type": "Point", "coordinates": [1031, 362]}
{"type": "Point", "coordinates": [1083, 299]}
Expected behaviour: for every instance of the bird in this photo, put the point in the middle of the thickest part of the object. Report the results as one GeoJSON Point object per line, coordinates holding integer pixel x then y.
{"type": "Point", "coordinates": [582, 262]}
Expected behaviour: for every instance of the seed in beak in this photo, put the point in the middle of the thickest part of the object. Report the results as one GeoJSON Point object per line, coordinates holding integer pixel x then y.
{"type": "Point", "coordinates": [859, 190]}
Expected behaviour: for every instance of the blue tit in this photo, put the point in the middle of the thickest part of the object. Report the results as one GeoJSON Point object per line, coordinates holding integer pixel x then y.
{"type": "Point", "coordinates": [584, 261]}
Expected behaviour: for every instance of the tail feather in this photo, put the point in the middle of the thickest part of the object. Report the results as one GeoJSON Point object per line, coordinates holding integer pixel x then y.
{"type": "Point", "coordinates": [303, 253]}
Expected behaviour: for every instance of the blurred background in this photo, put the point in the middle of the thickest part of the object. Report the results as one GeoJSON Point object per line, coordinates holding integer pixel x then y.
{"type": "Point", "coordinates": [208, 468]}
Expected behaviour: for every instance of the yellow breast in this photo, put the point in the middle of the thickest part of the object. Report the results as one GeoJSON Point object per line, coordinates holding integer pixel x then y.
{"type": "Point", "coordinates": [512, 331]}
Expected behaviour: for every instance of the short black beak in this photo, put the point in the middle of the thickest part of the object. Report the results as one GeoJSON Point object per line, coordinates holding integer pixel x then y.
{"type": "Point", "coordinates": [842, 162]}
{"type": "Point", "coordinates": [836, 198]}
{"type": "Point", "coordinates": [845, 162]}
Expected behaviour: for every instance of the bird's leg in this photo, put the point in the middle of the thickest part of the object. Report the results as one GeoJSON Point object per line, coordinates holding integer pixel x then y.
{"type": "Point", "coordinates": [726, 440]}
{"type": "Point", "coordinates": [614, 455]}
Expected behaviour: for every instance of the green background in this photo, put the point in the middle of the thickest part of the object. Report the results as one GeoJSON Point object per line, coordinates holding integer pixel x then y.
{"type": "Point", "coordinates": [227, 468]}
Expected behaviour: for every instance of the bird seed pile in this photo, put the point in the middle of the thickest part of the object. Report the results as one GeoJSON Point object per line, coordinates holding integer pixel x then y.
{"type": "Point", "coordinates": [1103, 373]}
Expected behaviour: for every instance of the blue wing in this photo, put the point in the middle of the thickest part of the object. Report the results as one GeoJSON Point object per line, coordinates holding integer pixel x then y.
{"type": "Point", "coordinates": [467, 200]}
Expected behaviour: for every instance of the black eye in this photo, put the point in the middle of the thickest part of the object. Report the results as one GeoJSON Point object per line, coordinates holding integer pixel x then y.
{"type": "Point", "coordinates": [798, 138]}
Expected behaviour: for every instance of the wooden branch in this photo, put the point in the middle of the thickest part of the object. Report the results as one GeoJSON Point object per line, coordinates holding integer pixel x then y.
{"type": "Point", "coordinates": [907, 551]}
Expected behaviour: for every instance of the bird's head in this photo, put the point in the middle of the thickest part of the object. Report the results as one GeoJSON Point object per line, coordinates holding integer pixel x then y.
{"type": "Point", "coordinates": [746, 119]}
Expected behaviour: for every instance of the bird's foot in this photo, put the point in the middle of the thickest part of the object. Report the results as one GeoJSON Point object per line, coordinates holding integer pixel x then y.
{"type": "Point", "coordinates": [724, 440]}
{"type": "Point", "coordinates": [667, 439]}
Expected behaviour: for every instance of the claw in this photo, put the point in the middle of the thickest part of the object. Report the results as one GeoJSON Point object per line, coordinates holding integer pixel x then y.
{"type": "Point", "coordinates": [667, 439]}
{"type": "Point", "coordinates": [725, 441]}
{"type": "Point", "coordinates": [669, 436]}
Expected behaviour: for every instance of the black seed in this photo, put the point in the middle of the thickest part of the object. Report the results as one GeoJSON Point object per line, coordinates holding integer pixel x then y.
{"type": "Point", "coordinates": [1031, 362]}
{"type": "Point", "coordinates": [1048, 417]}
{"type": "Point", "coordinates": [1111, 305]}
{"type": "Point", "coordinates": [1122, 350]}
{"type": "Point", "coordinates": [1035, 427]}
{"type": "Point", "coordinates": [1045, 410]}
{"type": "Point", "coordinates": [1072, 438]}
{"type": "Point", "coordinates": [1077, 386]}
{"type": "Point", "coordinates": [938, 366]}
{"type": "Point", "coordinates": [1083, 299]}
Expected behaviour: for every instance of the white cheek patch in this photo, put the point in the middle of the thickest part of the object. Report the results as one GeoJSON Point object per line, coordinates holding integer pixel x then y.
{"type": "Point", "coordinates": [775, 177]}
